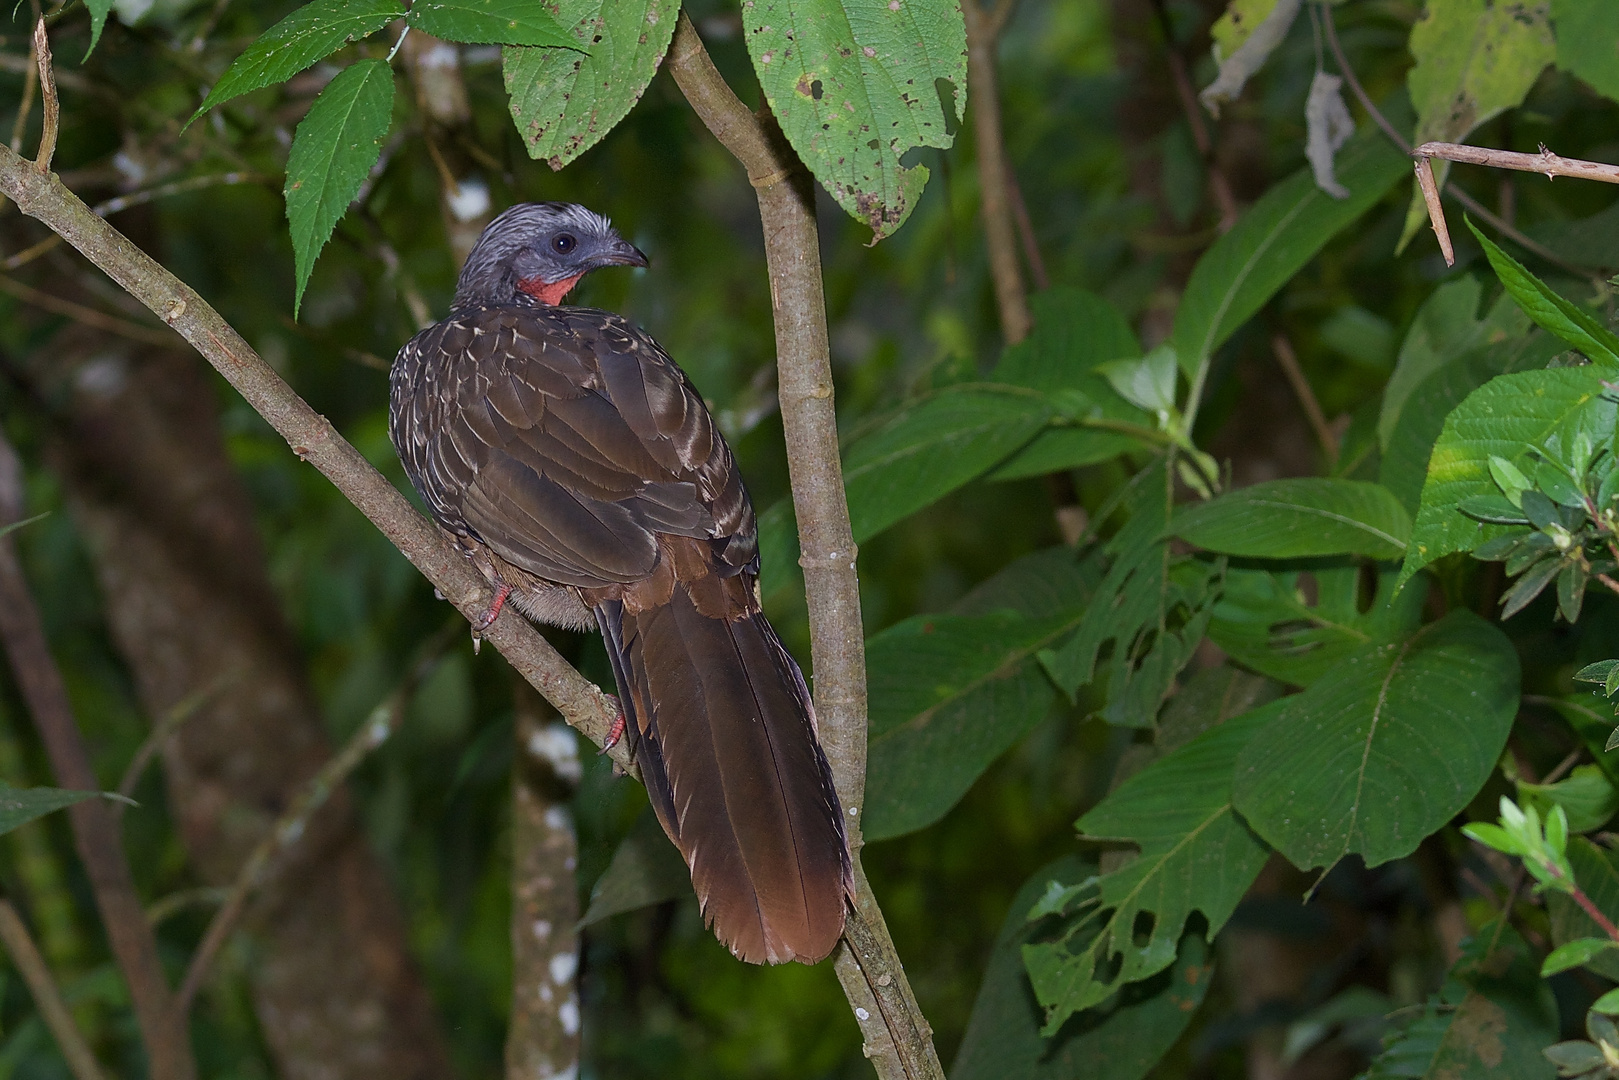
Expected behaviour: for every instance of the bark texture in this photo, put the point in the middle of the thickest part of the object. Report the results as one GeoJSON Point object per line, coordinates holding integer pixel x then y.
{"type": "Point", "coordinates": [189, 604]}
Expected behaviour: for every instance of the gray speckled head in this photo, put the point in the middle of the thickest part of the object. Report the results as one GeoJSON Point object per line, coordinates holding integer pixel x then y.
{"type": "Point", "coordinates": [537, 251]}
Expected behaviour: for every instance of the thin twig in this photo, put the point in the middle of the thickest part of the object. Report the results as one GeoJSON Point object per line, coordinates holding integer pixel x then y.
{"type": "Point", "coordinates": [95, 830]}
{"type": "Point", "coordinates": [1225, 202]}
{"type": "Point", "coordinates": [47, 998]}
{"type": "Point", "coordinates": [30, 77]}
{"type": "Point", "coordinates": [1547, 163]}
{"type": "Point", "coordinates": [1436, 212]}
{"type": "Point", "coordinates": [897, 1036]}
{"type": "Point", "coordinates": [53, 108]}
{"type": "Point", "coordinates": [1288, 360]}
{"type": "Point", "coordinates": [1608, 581]}
{"type": "Point", "coordinates": [989, 145]}
{"type": "Point", "coordinates": [292, 824]}
{"type": "Point", "coordinates": [89, 316]}
{"type": "Point", "coordinates": [1025, 228]}
{"type": "Point", "coordinates": [174, 903]}
{"type": "Point", "coordinates": [1563, 766]}
{"type": "Point", "coordinates": [168, 725]}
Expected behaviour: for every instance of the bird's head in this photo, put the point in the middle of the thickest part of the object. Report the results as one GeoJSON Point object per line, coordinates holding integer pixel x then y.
{"type": "Point", "coordinates": [540, 250]}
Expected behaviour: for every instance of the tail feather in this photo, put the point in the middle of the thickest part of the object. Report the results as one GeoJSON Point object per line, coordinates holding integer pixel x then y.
{"type": "Point", "coordinates": [728, 733]}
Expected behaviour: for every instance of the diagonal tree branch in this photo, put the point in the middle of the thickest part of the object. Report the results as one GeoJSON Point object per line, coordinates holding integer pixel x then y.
{"type": "Point", "coordinates": [53, 1010]}
{"type": "Point", "coordinates": [898, 1038]}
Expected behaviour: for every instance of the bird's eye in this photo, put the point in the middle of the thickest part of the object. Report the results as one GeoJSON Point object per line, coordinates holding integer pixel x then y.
{"type": "Point", "coordinates": [562, 243]}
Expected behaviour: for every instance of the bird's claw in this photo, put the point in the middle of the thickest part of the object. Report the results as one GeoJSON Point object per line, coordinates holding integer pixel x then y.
{"type": "Point", "coordinates": [614, 733]}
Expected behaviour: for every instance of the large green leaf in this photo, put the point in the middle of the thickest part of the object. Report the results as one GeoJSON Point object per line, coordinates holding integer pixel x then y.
{"type": "Point", "coordinates": [1265, 620]}
{"type": "Point", "coordinates": [490, 22]}
{"type": "Point", "coordinates": [928, 449]}
{"type": "Point", "coordinates": [1447, 326]}
{"type": "Point", "coordinates": [1206, 699]}
{"type": "Point", "coordinates": [19, 806]}
{"type": "Point", "coordinates": [311, 33]}
{"type": "Point", "coordinates": [948, 694]}
{"type": "Point", "coordinates": [1385, 748]}
{"type": "Point", "coordinates": [564, 103]}
{"type": "Point", "coordinates": [1488, 1022]}
{"type": "Point", "coordinates": [1153, 606]}
{"type": "Point", "coordinates": [1588, 42]}
{"type": "Point", "coordinates": [1119, 1042]}
{"type": "Point", "coordinates": [855, 85]}
{"type": "Point", "coordinates": [1501, 417]}
{"type": "Point", "coordinates": [1290, 519]}
{"type": "Point", "coordinates": [1272, 242]}
{"type": "Point", "coordinates": [1549, 310]}
{"type": "Point", "coordinates": [1196, 855]}
{"type": "Point", "coordinates": [1404, 466]}
{"type": "Point", "coordinates": [1074, 331]}
{"type": "Point", "coordinates": [646, 869]}
{"type": "Point", "coordinates": [332, 152]}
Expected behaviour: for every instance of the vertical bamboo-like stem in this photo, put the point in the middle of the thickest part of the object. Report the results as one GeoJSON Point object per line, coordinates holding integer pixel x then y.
{"type": "Point", "coordinates": [995, 197]}
{"type": "Point", "coordinates": [898, 1039]}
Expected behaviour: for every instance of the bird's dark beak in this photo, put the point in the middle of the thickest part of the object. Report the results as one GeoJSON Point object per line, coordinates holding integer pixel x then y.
{"type": "Point", "coordinates": [622, 253]}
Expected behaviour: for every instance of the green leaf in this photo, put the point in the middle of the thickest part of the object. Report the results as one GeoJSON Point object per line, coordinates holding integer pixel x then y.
{"type": "Point", "coordinates": [1588, 42]}
{"type": "Point", "coordinates": [1404, 467]}
{"type": "Point", "coordinates": [311, 33]}
{"type": "Point", "coordinates": [1587, 796]}
{"type": "Point", "coordinates": [1488, 1022]}
{"type": "Point", "coordinates": [1206, 699]}
{"type": "Point", "coordinates": [853, 84]}
{"type": "Point", "coordinates": [1289, 519]}
{"type": "Point", "coordinates": [1596, 870]}
{"type": "Point", "coordinates": [1549, 310]}
{"type": "Point", "coordinates": [646, 869]}
{"type": "Point", "coordinates": [490, 22]}
{"type": "Point", "coordinates": [564, 103]}
{"type": "Point", "coordinates": [1385, 748]}
{"type": "Point", "coordinates": [1264, 619]}
{"type": "Point", "coordinates": [19, 806]}
{"type": "Point", "coordinates": [948, 694]}
{"type": "Point", "coordinates": [99, 10]}
{"type": "Point", "coordinates": [1272, 242]}
{"type": "Point", "coordinates": [1121, 1042]}
{"type": "Point", "coordinates": [1575, 953]}
{"type": "Point", "coordinates": [928, 449]}
{"type": "Point", "coordinates": [1447, 327]}
{"type": "Point", "coordinates": [1147, 383]}
{"type": "Point", "coordinates": [1501, 417]}
{"type": "Point", "coordinates": [6, 530]}
{"type": "Point", "coordinates": [1607, 1004]}
{"type": "Point", "coordinates": [1605, 673]}
{"type": "Point", "coordinates": [1196, 855]}
{"type": "Point", "coordinates": [332, 152]}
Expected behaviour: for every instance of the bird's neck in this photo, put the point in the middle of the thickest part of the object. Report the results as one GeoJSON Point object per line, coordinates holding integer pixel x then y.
{"type": "Point", "coordinates": [547, 292]}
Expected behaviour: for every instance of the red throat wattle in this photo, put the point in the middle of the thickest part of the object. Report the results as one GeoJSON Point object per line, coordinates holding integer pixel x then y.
{"type": "Point", "coordinates": [548, 292]}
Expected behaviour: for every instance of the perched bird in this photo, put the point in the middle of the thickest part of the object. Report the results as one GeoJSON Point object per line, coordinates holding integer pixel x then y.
{"type": "Point", "coordinates": [572, 461]}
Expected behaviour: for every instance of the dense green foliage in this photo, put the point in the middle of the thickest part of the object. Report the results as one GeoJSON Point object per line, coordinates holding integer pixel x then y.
{"type": "Point", "coordinates": [1111, 576]}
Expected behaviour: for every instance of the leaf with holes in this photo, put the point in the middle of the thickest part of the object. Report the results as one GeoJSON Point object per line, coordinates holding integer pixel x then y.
{"type": "Point", "coordinates": [854, 85]}
{"type": "Point", "coordinates": [950, 693]}
{"type": "Point", "coordinates": [1500, 418]}
{"type": "Point", "coordinates": [313, 32]}
{"type": "Point", "coordinates": [332, 152]}
{"type": "Point", "coordinates": [1196, 855]}
{"type": "Point", "coordinates": [1290, 519]}
{"type": "Point", "coordinates": [563, 103]}
{"type": "Point", "coordinates": [490, 22]}
{"type": "Point", "coordinates": [1385, 748]}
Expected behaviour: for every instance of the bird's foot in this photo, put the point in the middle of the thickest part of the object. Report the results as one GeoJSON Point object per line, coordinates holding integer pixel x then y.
{"type": "Point", "coordinates": [616, 732]}
{"type": "Point", "coordinates": [493, 613]}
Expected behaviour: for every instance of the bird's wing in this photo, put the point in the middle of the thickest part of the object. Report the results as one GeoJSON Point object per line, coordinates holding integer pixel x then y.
{"type": "Point", "coordinates": [566, 440]}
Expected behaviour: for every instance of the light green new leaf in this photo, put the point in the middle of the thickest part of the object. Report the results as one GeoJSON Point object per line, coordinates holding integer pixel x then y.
{"type": "Point", "coordinates": [332, 152]}
{"type": "Point", "coordinates": [928, 449]}
{"type": "Point", "coordinates": [948, 694]}
{"type": "Point", "coordinates": [1447, 326]}
{"type": "Point", "coordinates": [313, 32]}
{"type": "Point", "coordinates": [1549, 310]}
{"type": "Point", "coordinates": [19, 806]}
{"type": "Point", "coordinates": [1475, 59]}
{"type": "Point", "coordinates": [1488, 1022]}
{"type": "Point", "coordinates": [1272, 242]}
{"type": "Point", "coordinates": [1501, 418]}
{"type": "Point", "coordinates": [564, 103]}
{"type": "Point", "coordinates": [1299, 518]}
{"type": "Point", "coordinates": [490, 22]}
{"type": "Point", "coordinates": [1588, 42]}
{"type": "Point", "coordinates": [1121, 1042]}
{"type": "Point", "coordinates": [1385, 748]}
{"type": "Point", "coordinates": [853, 84]}
{"type": "Point", "coordinates": [1196, 855]}
{"type": "Point", "coordinates": [646, 869]}
{"type": "Point", "coordinates": [1263, 619]}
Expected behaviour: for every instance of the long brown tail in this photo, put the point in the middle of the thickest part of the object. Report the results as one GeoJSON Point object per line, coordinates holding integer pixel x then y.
{"type": "Point", "coordinates": [728, 750]}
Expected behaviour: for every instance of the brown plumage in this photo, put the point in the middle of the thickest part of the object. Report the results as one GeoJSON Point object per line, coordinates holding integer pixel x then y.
{"type": "Point", "coordinates": [573, 462]}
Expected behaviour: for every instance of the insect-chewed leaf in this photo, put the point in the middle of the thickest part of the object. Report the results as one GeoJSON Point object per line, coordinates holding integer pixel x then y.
{"type": "Point", "coordinates": [311, 33]}
{"type": "Point", "coordinates": [1385, 748]}
{"type": "Point", "coordinates": [1196, 855]}
{"type": "Point", "coordinates": [852, 83]}
{"type": "Point", "coordinates": [491, 22]}
{"type": "Point", "coordinates": [1290, 519]}
{"type": "Point", "coordinates": [332, 152]}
